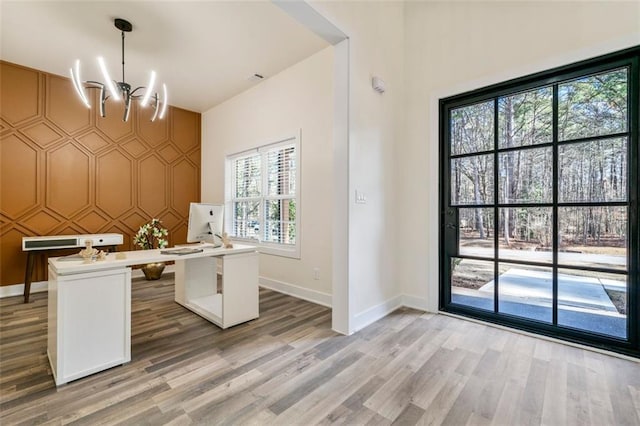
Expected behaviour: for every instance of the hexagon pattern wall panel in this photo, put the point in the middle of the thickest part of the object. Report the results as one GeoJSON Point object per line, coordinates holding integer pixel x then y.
{"type": "Point", "coordinates": [66, 170]}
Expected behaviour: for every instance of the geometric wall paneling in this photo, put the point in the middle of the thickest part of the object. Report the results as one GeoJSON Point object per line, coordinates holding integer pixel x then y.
{"type": "Point", "coordinates": [134, 221]}
{"type": "Point", "coordinates": [134, 148]}
{"type": "Point", "coordinates": [65, 170]}
{"type": "Point", "coordinates": [42, 222]}
{"type": "Point", "coordinates": [152, 185]}
{"type": "Point", "coordinates": [92, 221]}
{"type": "Point", "coordinates": [184, 186]}
{"type": "Point", "coordinates": [5, 127]}
{"type": "Point", "coordinates": [127, 235]}
{"type": "Point", "coordinates": [68, 185]}
{"type": "Point", "coordinates": [114, 183]}
{"type": "Point", "coordinates": [184, 129]}
{"type": "Point", "coordinates": [170, 220]}
{"type": "Point", "coordinates": [112, 125]}
{"type": "Point", "coordinates": [156, 132]}
{"type": "Point", "coordinates": [178, 234]}
{"type": "Point", "coordinates": [63, 107]}
{"type": "Point", "coordinates": [94, 141]}
{"type": "Point", "coordinates": [194, 156]}
{"type": "Point", "coordinates": [68, 228]}
{"type": "Point", "coordinates": [3, 219]}
{"type": "Point", "coordinates": [20, 89]}
{"type": "Point", "coordinates": [42, 133]}
{"type": "Point", "coordinates": [19, 176]}
{"type": "Point", "coordinates": [12, 255]}
{"type": "Point", "coordinates": [169, 153]}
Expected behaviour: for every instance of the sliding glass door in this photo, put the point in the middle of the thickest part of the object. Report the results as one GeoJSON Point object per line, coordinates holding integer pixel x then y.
{"type": "Point", "coordinates": [539, 193]}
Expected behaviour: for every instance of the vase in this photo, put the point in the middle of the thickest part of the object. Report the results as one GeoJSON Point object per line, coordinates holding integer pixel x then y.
{"type": "Point", "coordinates": [153, 271]}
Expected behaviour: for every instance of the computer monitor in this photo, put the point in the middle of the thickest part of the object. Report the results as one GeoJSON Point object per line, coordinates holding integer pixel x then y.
{"type": "Point", "coordinates": [205, 223]}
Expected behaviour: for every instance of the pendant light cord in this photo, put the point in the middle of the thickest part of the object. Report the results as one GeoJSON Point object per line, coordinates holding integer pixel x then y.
{"type": "Point", "coordinates": [123, 80]}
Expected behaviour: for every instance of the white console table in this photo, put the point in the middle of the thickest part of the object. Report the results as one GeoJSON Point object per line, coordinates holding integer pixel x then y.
{"type": "Point", "coordinates": [89, 327]}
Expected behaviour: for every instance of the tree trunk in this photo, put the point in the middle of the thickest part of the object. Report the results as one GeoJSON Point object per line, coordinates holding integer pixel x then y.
{"type": "Point", "coordinates": [478, 200]}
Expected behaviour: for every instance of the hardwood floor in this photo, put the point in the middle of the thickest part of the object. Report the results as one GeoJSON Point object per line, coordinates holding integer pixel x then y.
{"type": "Point", "coordinates": [289, 368]}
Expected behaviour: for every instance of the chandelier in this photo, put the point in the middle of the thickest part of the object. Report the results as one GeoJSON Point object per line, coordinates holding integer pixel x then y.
{"type": "Point", "coordinates": [119, 90]}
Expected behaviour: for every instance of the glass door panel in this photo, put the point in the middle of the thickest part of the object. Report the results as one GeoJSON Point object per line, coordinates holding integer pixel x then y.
{"type": "Point", "coordinates": [593, 237]}
{"type": "Point", "coordinates": [539, 205]}
{"type": "Point", "coordinates": [526, 176]}
{"type": "Point", "coordinates": [471, 180]}
{"type": "Point", "coordinates": [476, 232]}
{"type": "Point", "coordinates": [472, 283]}
{"type": "Point", "coordinates": [526, 234]}
{"type": "Point", "coordinates": [525, 291]}
{"type": "Point", "coordinates": [593, 301]}
{"type": "Point", "coordinates": [594, 171]}
{"type": "Point", "coordinates": [595, 105]}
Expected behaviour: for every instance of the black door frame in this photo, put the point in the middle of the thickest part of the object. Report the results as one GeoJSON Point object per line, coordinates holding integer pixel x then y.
{"type": "Point", "coordinates": [448, 232]}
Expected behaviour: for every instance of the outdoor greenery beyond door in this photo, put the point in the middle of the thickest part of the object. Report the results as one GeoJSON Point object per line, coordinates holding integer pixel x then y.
{"type": "Point", "coordinates": [539, 193]}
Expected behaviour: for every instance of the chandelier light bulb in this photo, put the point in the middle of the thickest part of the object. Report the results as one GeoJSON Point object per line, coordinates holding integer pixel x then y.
{"type": "Point", "coordinates": [149, 89]}
{"type": "Point", "coordinates": [164, 101]}
{"type": "Point", "coordinates": [108, 82]}
{"type": "Point", "coordinates": [77, 83]}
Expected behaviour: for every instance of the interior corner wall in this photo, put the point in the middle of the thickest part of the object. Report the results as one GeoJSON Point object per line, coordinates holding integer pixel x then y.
{"type": "Point", "coordinates": [298, 98]}
{"type": "Point", "coordinates": [453, 47]}
{"type": "Point", "coordinates": [376, 126]}
{"type": "Point", "coordinates": [66, 170]}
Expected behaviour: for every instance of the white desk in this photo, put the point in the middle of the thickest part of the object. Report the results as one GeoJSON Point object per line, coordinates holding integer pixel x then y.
{"type": "Point", "coordinates": [90, 303]}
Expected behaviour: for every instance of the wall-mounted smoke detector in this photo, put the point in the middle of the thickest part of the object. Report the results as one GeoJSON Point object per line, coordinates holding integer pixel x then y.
{"type": "Point", "coordinates": [255, 77]}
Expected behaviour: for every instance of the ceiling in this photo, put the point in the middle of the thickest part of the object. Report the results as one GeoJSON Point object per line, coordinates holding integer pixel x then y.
{"type": "Point", "coordinates": [203, 50]}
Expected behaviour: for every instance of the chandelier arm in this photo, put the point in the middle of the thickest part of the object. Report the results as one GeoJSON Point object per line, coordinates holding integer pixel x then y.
{"type": "Point", "coordinates": [136, 89]}
{"type": "Point", "coordinates": [156, 107]}
{"type": "Point", "coordinates": [94, 84]}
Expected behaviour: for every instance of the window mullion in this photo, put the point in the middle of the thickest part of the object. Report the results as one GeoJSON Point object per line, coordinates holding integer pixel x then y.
{"type": "Point", "coordinates": [554, 209]}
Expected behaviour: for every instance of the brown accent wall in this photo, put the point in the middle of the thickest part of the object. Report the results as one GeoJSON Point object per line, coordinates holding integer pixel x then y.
{"type": "Point", "coordinates": [66, 170]}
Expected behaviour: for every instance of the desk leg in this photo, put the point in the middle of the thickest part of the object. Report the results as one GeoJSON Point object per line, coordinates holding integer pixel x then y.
{"type": "Point", "coordinates": [28, 273]}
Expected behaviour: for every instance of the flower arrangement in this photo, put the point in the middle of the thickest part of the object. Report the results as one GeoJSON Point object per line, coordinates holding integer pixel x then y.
{"type": "Point", "coordinates": [151, 235]}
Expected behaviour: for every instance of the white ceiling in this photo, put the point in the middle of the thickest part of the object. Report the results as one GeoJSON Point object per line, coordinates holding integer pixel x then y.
{"type": "Point", "coordinates": [203, 50]}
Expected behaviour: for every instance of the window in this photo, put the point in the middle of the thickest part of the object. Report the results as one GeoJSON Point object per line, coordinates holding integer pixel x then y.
{"type": "Point", "coordinates": [262, 197]}
{"type": "Point", "coordinates": [539, 200]}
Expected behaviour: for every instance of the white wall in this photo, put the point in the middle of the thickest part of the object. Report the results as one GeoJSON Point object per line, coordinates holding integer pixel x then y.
{"type": "Point", "coordinates": [300, 97]}
{"type": "Point", "coordinates": [376, 37]}
{"type": "Point", "coordinates": [452, 47]}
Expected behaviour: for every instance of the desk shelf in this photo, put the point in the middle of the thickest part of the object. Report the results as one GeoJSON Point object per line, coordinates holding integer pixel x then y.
{"type": "Point", "coordinates": [208, 307]}
{"type": "Point", "coordinates": [196, 287]}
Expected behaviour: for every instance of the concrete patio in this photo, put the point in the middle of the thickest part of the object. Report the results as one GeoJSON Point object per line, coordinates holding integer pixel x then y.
{"type": "Point", "coordinates": [582, 301]}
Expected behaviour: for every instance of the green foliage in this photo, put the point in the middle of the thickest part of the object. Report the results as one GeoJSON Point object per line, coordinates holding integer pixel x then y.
{"type": "Point", "coordinates": [590, 171]}
{"type": "Point", "coordinates": [151, 235]}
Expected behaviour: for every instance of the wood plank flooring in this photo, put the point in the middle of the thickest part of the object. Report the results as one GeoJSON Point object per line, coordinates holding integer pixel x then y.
{"type": "Point", "coordinates": [289, 368]}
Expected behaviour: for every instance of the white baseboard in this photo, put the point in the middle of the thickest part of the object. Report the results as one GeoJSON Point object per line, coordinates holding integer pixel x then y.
{"type": "Point", "coordinates": [309, 295]}
{"type": "Point", "coordinates": [375, 313]}
{"type": "Point", "coordinates": [415, 302]}
{"type": "Point", "coordinates": [383, 309]}
{"type": "Point", "coordinates": [18, 289]}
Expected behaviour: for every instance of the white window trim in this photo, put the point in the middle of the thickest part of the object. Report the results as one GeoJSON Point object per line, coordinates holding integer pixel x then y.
{"type": "Point", "coordinates": [276, 249]}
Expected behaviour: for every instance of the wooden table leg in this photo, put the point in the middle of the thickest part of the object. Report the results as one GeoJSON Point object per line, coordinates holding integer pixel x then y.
{"type": "Point", "coordinates": [28, 273]}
